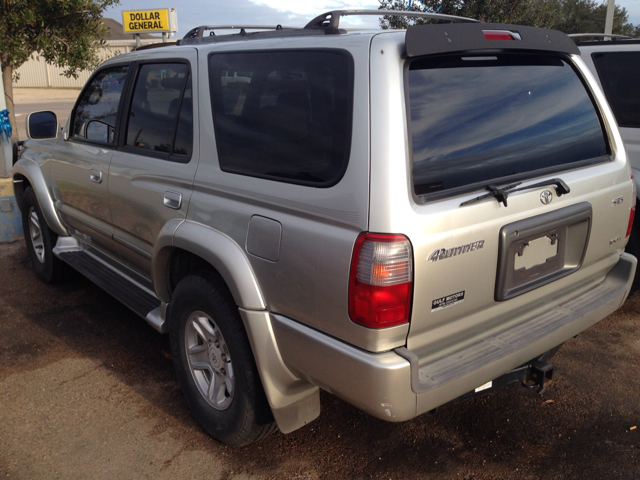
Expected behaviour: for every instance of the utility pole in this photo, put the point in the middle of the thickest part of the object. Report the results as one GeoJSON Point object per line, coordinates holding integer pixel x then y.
{"type": "Point", "coordinates": [608, 24]}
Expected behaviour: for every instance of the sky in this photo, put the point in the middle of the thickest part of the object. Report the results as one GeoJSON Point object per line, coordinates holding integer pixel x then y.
{"type": "Point", "coordinates": [294, 13]}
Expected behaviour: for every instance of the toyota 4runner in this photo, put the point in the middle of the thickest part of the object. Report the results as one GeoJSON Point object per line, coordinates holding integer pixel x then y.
{"type": "Point", "coordinates": [400, 218]}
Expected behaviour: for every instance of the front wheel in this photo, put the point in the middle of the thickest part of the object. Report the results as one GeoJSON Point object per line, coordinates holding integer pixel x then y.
{"type": "Point", "coordinates": [40, 240]}
{"type": "Point", "coordinates": [215, 365]}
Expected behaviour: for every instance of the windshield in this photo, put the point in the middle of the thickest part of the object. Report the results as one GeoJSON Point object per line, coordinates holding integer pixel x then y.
{"type": "Point", "coordinates": [495, 119]}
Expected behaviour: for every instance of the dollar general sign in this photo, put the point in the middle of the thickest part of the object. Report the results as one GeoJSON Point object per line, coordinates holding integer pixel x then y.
{"type": "Point", "coordinates": [157, 20]}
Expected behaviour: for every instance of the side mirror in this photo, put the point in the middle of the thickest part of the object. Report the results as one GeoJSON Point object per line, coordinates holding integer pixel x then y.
{"type": "Point", "coordinates": [41, 125]}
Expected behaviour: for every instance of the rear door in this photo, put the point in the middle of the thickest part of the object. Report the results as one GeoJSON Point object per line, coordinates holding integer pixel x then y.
{"type": "Point", "coordinates": [151, 174]}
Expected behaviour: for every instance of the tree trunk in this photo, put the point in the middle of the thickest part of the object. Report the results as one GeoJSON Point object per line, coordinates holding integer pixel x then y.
{"type": "Point", "coordinates": [7, 82]}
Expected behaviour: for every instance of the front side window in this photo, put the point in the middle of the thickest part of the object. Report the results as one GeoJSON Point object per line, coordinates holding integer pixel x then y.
{"type": "Point", "coordinates": [494, 119]}
{"type": "Point", "coordinates": [283, 115]}
{"type": "Point", "coordinates": [95, 116]}
{"type": "Point", "coordinates": [619, 73]}
{"type": "Point", "coordinates": [160, 120]}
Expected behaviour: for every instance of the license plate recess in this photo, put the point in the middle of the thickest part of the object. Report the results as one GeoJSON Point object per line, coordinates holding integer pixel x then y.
{"type": "Point", "coordinates": [565, 232]}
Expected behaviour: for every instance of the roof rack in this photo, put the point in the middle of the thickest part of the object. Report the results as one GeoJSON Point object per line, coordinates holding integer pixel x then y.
{"type": "Point", "coordinates": [153, 45]}
{"type": "Point", "coordinates": [325, 24]}
{"type": "Point", "coordinates": [332, 19]}
{"type": "Point", "coordinates": [198, 32]}
{"type": "Point", "coordinates": [600, 35]}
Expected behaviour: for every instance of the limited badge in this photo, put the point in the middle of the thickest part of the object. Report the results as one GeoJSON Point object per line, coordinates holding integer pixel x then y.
{"type": "Point", "coordinates": [448, 301]}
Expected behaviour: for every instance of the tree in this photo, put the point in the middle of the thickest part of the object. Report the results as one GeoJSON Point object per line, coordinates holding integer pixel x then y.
{"type": "Point", "coordinates": [569, 16]}
{"type": "Point", "coordinates": [523, 12]}
{"type": "Point", "coordinates": [66, 33]}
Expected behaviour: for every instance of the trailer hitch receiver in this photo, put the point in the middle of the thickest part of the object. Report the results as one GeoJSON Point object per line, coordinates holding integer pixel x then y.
{"type": "Point", "coordinates": [539, 375]}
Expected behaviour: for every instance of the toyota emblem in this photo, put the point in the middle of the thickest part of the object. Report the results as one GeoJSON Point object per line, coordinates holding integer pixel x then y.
{"type": "Point", "coordinates": [546, 197]}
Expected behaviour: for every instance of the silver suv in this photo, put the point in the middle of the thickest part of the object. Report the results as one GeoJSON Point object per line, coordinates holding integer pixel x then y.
{"type": "Point", "coordinates": [399, 218]}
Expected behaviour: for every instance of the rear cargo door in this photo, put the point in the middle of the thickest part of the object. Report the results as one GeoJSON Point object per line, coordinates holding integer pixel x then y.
{"type": "Point", "coordinates": [519, 202]}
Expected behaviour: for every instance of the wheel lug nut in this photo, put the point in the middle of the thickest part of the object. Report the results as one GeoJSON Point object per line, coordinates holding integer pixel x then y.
{"type": "Point", "coordinates": [217, 344]}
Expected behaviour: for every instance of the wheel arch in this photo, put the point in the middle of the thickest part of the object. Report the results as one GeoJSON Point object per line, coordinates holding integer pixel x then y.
{"type": "Point", "coordinates": [27, 173]}
{"type": "Point", "coordinates": [204, 249]}
{"type": "Point", "coordinates": [293, 401]}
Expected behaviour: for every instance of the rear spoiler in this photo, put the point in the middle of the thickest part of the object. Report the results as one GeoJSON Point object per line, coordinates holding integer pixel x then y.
{"type": "Point", "coordinates": [467, 37]}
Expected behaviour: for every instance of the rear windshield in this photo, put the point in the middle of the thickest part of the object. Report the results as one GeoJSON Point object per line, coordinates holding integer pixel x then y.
{"type": "Point", "coordinates": [494, 119]}
{"type": "Point", "coordinates": [619, 73]}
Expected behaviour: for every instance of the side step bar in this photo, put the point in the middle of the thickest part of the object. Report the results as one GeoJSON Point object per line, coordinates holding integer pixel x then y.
{"type": "Point", "coordinates": [132, 295]}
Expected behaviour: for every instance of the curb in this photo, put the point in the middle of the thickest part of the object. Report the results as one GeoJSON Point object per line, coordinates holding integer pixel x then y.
{"type": "Point", "coordinates": [10, 217]}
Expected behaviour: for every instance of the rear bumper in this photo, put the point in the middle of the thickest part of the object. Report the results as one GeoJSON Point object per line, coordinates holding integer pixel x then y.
{"type": "Point", "coordinates": [394, 386]}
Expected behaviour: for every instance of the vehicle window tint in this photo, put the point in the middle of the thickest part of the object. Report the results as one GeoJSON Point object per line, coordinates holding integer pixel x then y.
{"type": "Point", "coordinates": [95, 116]}
{"type": "Point", "coordinates": [620, 77]}
{"type": "Point", "coordinates": [482, 120]}
{"type": "Point", "coordinates": [283, 115]}
{"type": "Point", "coordinates": [155, 108]}
{"type": "Point", "coordinates": [184, 133]}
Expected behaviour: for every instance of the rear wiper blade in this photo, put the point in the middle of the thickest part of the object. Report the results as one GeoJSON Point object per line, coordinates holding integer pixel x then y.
{"type": "Point", "coordinates": [501, 193]}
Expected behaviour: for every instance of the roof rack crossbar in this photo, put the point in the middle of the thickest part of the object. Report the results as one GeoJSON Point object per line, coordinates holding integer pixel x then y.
{"type": "Point", "coordinates": [332, 19]}
{"type": "Point", "coordinates": [198, 32]}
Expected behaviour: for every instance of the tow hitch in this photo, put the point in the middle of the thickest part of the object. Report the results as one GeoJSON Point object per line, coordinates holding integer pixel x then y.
{"type": "Point", "coordinates": [540, 375]}
{"type": "Point", "coordinates": [535, 374]}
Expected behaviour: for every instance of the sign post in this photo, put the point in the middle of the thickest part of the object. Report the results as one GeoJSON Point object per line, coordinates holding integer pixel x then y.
{"type": "Point", "coordinates": [158, 20]}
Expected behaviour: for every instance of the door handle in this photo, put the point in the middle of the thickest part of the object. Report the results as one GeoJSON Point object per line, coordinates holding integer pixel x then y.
{"type": "Point", "coordinates": [173, 199]}
{"type": "Point", "coordinates": [95, 175]}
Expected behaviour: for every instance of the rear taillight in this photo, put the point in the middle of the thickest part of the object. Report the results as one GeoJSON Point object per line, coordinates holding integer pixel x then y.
{"type": "Point", "coordinates": [501, 35]}
{"type": "Point", "coordinates": [381, 280]}
{"type": "Point", "coordinates": [632, 212]}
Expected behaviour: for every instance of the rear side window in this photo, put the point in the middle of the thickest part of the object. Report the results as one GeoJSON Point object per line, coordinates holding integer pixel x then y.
{"type": "Point", "coordinates": [95, 116]}
{"type": "Point", "coordinates": [283, 115]}
{"type": "Point", "coordinates": [482, 120]}
{"type": "Point", "coordinates": [620, 77]}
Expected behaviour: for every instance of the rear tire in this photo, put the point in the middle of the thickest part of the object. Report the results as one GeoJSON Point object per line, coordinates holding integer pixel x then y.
{"type": "Point", "coordinates": [215, 365]}
{"type": "Point", "coordinates": [40, 240]}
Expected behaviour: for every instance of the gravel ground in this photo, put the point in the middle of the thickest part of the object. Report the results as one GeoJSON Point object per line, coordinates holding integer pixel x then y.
{"type": "Point", "coordinates": [87, 390]}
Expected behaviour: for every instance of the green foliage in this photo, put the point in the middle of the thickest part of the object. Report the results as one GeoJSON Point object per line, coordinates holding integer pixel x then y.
{"type": "Point", "coordinates": [569, 16]}
{"type": "Point", "coordinates": [66, 33]}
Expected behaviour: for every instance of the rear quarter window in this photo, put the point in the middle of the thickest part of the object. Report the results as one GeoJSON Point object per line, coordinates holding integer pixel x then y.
{"type": "Point", "coordinates": [494, 119]}
{"type": "Point", "coordinates": [283, 115]}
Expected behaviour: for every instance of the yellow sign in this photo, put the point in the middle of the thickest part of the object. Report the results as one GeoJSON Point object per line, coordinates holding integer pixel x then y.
{"type": "Point", "coordinates": [157, 20]}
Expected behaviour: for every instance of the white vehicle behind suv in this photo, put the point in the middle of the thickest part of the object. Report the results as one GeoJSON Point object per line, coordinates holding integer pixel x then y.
{"type": "Point", "coordinates": [615, 62]}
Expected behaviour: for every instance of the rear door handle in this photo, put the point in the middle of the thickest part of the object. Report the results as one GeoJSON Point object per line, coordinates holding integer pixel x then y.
{"type": "Point", "coordinates": [173, 199]}
{"type": "Point", "coordinates": [95, 175]}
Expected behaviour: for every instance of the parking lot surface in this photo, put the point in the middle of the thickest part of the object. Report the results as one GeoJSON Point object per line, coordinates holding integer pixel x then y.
{"type": "Point", "coordinates": [87, 390]}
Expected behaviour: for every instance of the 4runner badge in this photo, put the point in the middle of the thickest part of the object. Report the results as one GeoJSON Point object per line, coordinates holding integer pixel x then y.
{"type": "Point", "coordinates": [442, 253]}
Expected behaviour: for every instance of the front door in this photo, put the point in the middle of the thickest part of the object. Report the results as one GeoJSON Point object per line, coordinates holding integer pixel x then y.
{"type": "Point", "coordinates": [80, 166]}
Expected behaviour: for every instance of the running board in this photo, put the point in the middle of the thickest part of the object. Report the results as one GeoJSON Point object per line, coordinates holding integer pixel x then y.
{"type": "Point", "coordinates": [132, 295]}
